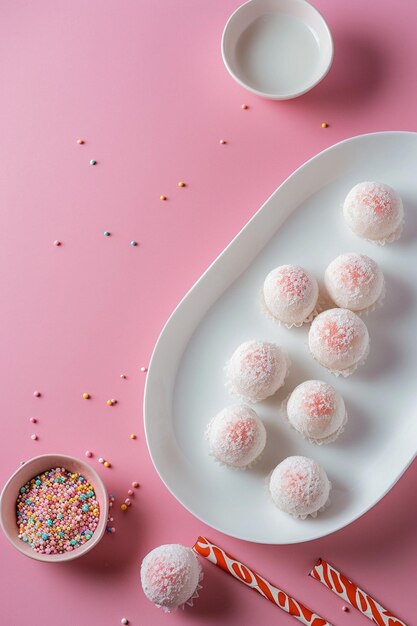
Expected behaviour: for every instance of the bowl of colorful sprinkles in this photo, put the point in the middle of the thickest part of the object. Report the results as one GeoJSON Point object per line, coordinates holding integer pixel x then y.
{"type": "Point", "coordinates": [54, 508]}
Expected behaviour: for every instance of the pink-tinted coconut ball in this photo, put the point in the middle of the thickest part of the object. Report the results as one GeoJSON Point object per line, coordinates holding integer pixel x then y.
{"type": "Point", "coordinates": [170, 576]}
{"type": "Point", "coordinates": [236, 436]}
{"type": "Point", "coordinates": [299, 486]}
{"type": "Point", "coordinates": [256, 370]}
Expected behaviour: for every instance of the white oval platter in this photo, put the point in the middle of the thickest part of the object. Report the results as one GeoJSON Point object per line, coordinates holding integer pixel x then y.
{"type": "Point", "coordinates": [300, 223]}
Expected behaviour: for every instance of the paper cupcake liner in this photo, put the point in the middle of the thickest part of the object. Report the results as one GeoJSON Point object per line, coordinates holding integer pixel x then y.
{"type": "Point", "coordinates": [319, 442]}
{"type": "Point", "coordinates": [232, 390]}
{"type": "Point", "coordinates": [293, 515]}
{"type": "Point", "coordinates": [274, 319]}
{"type": "Point", "coordinates": [189, 602]}
{"type": "Point", "coordinates": [349, 370]}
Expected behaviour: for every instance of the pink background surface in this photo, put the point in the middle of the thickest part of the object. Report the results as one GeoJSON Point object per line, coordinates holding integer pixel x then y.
{"type": "Point", "coordinates": [143, 83]}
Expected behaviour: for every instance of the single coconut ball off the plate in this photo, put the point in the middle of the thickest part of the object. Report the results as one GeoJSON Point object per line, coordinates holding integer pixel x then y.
{"type": "Point", "coordinates": [375, 212]}
{"type": "Point", "coordinates": [236, 437]}
{"type": "Point", "coordinates": [290, 295]}
{"type": "Point", "coordinates": [339, 340]}
{"type": "Point", "coordinates": [317, 411]}
{"type": "Point", "coordinates": [171, 576]}
{"type": "Point", "coordinates": [256, 370]}
{"type": "Point", "coordinates": [299, 486]}
{"type": "Point", "coordinates": [356, 282]}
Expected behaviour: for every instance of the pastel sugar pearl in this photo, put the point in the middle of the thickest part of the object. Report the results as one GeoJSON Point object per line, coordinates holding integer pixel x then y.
{"type": "Point", "coordinates": [56, 511]}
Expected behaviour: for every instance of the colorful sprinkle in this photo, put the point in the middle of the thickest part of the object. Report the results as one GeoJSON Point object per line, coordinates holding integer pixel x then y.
{"type": "Point", "coordinates": [345, 608]}
{"type": "Point", "coordinates": [37, 394]}
{"type": "Point", "coordinates": [88, 453]}
{"type": "Point", "coordinates": [123, 507]}
{"type": "Point", "coordinates": [132, 436]}
{"type": "Point", "coordinates": [51, 515]}
{"type": "Point", "coordinates": [34, 437]}
{"type": "Point", "coordinates": [107, 464]}
{"type": "Point", "coordinates": [93, 162]}
{"type": "Point", "coordinates": [130, 492]}
{"type": "Point", "coordinates": [101, 460]}
{"type": "Point", "coordinates": [106, 233]}
{"type": "Point", "coordinates": [86, 396]}
{"type": "Point", "coordinates": [181, 184]}
{"type": "Point", "coordinates": [128, 502]}
{"type": "Point", "coordinates": [135, 485]}
{"type": "Point", "coordinates": [80, 141]}
{"type": "Point", "coordinates": [222, 141]}
{"type": "Point", "coordinates": [244, 106]}
{"type": "Point", "coordinates": [324, 125]}
{"type": "Point", "coordinates": [57, 243]}
{"type": "Point", "coordinates": [114, 401]}
{"type": "Point", "coordinates": [143, 369]}
{"type": "Point", "coordinates": [133, 243]}
{"type": "Point", "coordinates": [33, 420]}
{"type": "Point", "coordinates": [109, 402]}
{"type": "Point", "coordinates": [124, 621]}
{"type": "Point", "coordinates": [163, 198]}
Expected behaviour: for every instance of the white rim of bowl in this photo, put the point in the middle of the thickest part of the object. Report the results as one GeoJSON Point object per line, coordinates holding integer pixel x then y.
{"type": "Point", "coordinates": [265, 94]}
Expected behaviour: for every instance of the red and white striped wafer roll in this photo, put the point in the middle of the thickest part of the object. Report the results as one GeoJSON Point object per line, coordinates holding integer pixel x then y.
{"type": "Point", "coordinates": [232, 566]}
{"type": "Point", "coordinates": [350, 592]}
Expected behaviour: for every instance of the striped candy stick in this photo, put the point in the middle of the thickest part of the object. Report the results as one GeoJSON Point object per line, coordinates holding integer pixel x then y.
{"type": "Point", "coordinates": [358, 598]}
{"type": "Point", "coordinates": [216, 555]}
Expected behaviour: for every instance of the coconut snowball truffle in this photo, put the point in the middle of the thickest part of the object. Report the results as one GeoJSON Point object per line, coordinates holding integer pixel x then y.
{"type": "Point", "coordinates": [339, 340]}
{"type": "Point", "coordinates": [356, 282]}
{"type": "Point", "coordinates": [170, 576]}
{"type": "Point", "coordinates": [236, 436]}
{"type": "Point", "coordinates": [374, 211]}
{"type": "Point", "coordinates": [299, 486]}
{"type": "Point", "coordinates": [317, 411]}
{"type": "Point", "coordinates": [290, 295]}
{"type": "Point", "coordinates": [256, 370]}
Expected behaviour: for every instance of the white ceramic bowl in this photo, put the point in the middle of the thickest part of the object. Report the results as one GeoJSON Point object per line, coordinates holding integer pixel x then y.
{"type": "Point", "coordinates": [278, 49]}
{"type": "Point", "coordinates": [27, 471]}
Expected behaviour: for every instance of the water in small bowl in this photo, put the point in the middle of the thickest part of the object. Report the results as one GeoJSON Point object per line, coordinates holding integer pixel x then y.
{"type": "Point", "coordinates": [278, 54]}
